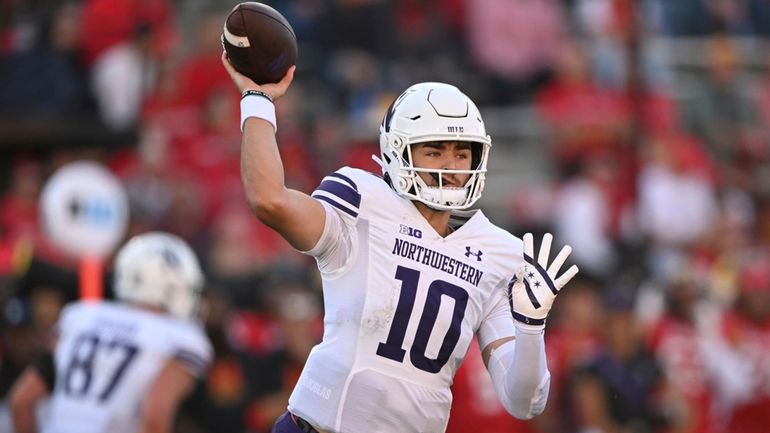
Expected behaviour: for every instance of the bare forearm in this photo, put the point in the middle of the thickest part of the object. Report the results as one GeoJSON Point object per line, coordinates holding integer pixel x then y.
{"type": "Point", "coordinates": [262, 171]}
{"type": "Point", "coordinates": [156, 427]}
{"type": "Point", "coordinates": [24, 420]}
{"type": "Point", "coordinates": [28, 390]}
{"type": "Point", "coordinates": [293, 214]}
{"type": "Point", "coordinates": [159, 409]}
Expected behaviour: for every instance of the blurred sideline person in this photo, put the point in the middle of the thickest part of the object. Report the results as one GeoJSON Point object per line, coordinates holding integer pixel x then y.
{"type": "Point", "coordinates": [123, 367]}
{"type": "Point", "coordinates": [409, 276]}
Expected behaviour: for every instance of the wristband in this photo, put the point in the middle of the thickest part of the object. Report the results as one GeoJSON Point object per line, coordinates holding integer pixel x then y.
{"type": "Point", "coordinates": [261, 108]}
{"type": "Point", "coordinates": [529, 329]}
{"type": "Point", "coordinates": [256, 93]}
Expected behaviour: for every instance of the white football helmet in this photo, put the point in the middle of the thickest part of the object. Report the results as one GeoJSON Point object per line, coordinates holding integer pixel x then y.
{"type": "Point", "coordinates": [161, 270]}
{"type": "Point", "coordinates": [432, 112]}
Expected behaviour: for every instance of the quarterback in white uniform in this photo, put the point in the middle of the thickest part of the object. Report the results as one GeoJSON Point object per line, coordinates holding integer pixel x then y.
{"type": "Point", "coordinates": [123, 367]}
{"type": "Point", "coordinates": [409, 276]}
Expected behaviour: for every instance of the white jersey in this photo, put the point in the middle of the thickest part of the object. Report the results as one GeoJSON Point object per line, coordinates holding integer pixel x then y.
{"type": "Point", "coordinates": [401, 305]}
{"type": "Point", "coordinates": [107, 356]}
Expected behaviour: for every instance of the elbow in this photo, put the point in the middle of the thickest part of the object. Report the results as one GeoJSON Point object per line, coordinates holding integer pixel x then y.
{"type": "Point", "coordinates": [265, 207]}
{"type": "Point", "coordinates": [521, 411]}
{"type": "Point", "coordinates": [525, 409]}
{"type": "Point", "coordinates": [528, 405]}
{"type": "Point", "coordinates": [523, 416]}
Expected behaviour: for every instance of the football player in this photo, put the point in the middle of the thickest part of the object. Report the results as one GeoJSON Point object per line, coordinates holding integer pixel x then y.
{"type": "Point", "coordinates": [123, 367]}
{"type": "Point", "coordinates": [409, 276]}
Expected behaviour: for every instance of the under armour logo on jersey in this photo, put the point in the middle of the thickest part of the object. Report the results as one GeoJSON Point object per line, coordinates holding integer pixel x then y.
{"type": "Point", "coordinates": [469, 253]}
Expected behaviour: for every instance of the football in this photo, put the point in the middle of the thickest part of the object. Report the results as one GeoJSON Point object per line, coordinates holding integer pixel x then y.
{"type": "Point", "coordinates": [259, 42]}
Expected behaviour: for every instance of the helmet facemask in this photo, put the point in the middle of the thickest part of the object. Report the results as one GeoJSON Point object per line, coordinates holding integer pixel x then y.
{"type": "Point", "coordinates": [433, 112]}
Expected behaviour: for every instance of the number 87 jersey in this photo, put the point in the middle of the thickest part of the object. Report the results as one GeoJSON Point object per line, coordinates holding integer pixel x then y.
{"type": "Point", "coordinates": [402, 305]}
{"type": "Point", "coordinates": [107, 356]}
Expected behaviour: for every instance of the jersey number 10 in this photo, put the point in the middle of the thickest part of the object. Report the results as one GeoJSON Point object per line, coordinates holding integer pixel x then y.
{"type": "Point", "coordinates": [391, 348]}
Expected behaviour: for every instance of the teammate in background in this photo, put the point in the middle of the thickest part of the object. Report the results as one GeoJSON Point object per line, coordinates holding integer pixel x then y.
{"type": "Point", "coordinates": [123, 367]}
{"type": "Point", "coordinates": [408, 276]}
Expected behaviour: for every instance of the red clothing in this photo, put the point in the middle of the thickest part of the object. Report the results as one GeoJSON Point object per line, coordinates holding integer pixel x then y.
{"type": "Point", "coordinates": [106, 23]}
{"type": "Point", "coordinates": [515, 38]}
{"type": "Point", "coordinates": [675, 345]}
{"type": "Point", "coordinates": [19, 223]}
{"type": "Point", "coordinates": [254, 333]}
{"type": "Point", "coordinates": [18, 217]}
{"type": "Point", "coordinates": [202, 75]}
{"type": "Point", "coordinates": [753, 341]}
{"type": "Point", "coordinates": [587, 120]}
{"type": "Point", "coordinates": [475, 406]}
{"type": "Point", "coordinates": [568, 349]}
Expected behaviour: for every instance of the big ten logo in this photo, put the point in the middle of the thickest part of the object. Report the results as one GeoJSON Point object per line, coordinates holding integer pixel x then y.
{"type": "Point", "coordinates": [409, 231]}
{"type": "Point", "coordinates": [92, 211]}
{"type": "Point", "coordinates": [455, 129]}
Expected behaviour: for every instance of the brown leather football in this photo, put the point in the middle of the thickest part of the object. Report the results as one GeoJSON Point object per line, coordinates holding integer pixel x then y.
{"type": "Point", "coordinates": [259, 42]}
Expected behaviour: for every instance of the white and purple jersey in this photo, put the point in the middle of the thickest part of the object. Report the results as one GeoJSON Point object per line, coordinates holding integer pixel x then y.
{"type": "Point", "coordinates": [107, 356]}
{"type": "Point", "coordinates": [402, 305]}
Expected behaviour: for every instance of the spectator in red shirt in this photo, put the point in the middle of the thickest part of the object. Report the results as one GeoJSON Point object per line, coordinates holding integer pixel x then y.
{"type": "Point", "coordinates": [581, 118]}
{"type": "Point", "coordinates": [694, 361]}
{"type": "Point", "coordinates": [748, 329]}
{"type": "Point", "coordinates": [107, 23]}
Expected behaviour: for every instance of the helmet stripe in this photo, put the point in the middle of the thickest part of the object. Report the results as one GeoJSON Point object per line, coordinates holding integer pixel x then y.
{"type": "Point", "coordinates": [389, 116]}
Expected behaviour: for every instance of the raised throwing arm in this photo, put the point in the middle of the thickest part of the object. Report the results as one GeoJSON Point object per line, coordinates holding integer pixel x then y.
{"type": "Point", "coordinates": [294, 214]}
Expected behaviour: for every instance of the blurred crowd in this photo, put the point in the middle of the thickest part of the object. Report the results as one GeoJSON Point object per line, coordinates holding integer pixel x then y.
{"type": "Point", "coordinates": [654, 134]}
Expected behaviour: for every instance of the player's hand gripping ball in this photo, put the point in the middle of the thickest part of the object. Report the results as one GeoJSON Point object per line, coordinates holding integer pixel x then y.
{"type": "Point", "coordinates": [259, 42]}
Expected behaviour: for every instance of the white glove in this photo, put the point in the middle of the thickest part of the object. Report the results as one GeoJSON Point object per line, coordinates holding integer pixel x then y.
{"type": "Point", "coordinates": [535, 286]}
